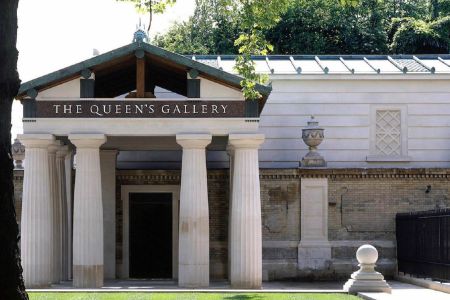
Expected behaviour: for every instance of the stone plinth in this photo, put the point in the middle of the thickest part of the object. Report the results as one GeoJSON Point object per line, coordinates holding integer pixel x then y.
{"type": "Point", "coordinates": [245, 213]}
{"type": "Point", "coordinates": [314, 250]}
{"type": "Point", "coordinates": [193, 262]}
{"type": "Point", "coordinates": [313, 160]}
{"type": "Point", "coordinates": [88, 212]}
{"type": "Point", "coordinates": [366, 279]}
{"type": "Point", "coordinates": [37, 213]}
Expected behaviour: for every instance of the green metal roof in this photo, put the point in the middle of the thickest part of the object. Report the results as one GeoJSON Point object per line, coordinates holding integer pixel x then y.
{"type": "Point", "coordinates": [187, 62]}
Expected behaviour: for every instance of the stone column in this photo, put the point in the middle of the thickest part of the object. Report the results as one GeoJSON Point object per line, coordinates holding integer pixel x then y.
{"type": "Point", "coordinates": [56, 207]}
{"type": "Point", "coordinates": [108, 169]}
{"type": "Point", "coordinates": [314, 250]}
{"type": "Point", "coordinates": [245, 234]}
{"type": "Point", "coordinates": [68, 164]}
{"type": "Point", "coordinates": [193, 270]}
{"type": "Point", "coordinates": [36, 227]}
{"type": "Point", "coordinates": [62, 197]}
{"type": "Point", "coordinates": [230, 152]}
{"type": "Point", "coordinates": [88, 212]}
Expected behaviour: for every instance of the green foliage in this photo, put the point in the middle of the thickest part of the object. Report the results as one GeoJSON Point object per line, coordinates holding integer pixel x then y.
{"type": "Point", "coordinates": [251, 27]}
{"type": "Point", "coordinates": [328, 27]}
{"type": "Point", "coordinates": [155, 6]}
{"type": "Point", "coordinates": [151, 7]}
{"type": "Point", "coordinates": [211, 30]}
{"type": "Point", "coordinates": [418, 36]}
{"type": "Point", "coordinates": [254, 17]}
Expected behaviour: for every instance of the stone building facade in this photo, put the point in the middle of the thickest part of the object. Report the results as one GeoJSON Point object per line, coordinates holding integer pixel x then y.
{"type": "Point", "coordinates": [361, 209]}
{"type": "Point", "coordinates": [139, 146]}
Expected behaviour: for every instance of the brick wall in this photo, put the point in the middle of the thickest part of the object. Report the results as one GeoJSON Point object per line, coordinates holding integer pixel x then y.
{"type": "Point", "coordinates": [367, 198]}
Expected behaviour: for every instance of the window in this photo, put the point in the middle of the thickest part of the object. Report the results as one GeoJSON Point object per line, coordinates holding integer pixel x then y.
{"type": "Point", "coordinates": [388, 136]}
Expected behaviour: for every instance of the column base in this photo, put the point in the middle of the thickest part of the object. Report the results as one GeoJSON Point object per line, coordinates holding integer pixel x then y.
{"type": "Point", "coordinates": [247, 285]}
{"type": "Point", "coordinates": [314, 255]}
{"type": "Point", "coordinates": [193, 276]}
{"type": "Point", "coordinates": [88, 276]}
{"type": "Point", "coordinates": [355, 286]}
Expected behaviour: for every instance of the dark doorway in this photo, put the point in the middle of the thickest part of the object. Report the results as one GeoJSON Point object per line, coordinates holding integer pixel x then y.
{"type": "Point", "coordinates": [150, 244]}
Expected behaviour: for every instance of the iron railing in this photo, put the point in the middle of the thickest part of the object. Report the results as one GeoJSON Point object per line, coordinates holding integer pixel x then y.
{"type": "Point", "coordinates": [423, 243]}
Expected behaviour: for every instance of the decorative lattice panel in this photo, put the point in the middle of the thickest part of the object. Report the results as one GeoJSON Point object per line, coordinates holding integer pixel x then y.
{"type": "Point", "coordinates": [388, 132]}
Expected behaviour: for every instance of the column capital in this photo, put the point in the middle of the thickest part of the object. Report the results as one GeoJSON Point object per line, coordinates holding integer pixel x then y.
{"type": "Point", "coordinates": [194, 140]}
{"type": "Point", "coordinates": [40, 140]}
{"type": "Point", "coordinates": [245, 140]}
{"type": "Point", "coordinates": [87, 140]}
{"type": "Point", "coordinates": [62, 151]}
{"type": "Point", "coordinates": [54, 147]}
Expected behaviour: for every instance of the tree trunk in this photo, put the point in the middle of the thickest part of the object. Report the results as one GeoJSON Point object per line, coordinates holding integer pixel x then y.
{"type": "Point", "coordinates": [11, 280]}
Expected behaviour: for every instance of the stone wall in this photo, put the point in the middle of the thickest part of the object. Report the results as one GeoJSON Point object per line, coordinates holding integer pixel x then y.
{"type": "Point", "coordinates": [362, 208]}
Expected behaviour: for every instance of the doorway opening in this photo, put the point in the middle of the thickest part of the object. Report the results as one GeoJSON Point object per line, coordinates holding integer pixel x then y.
{"type": "Point", "coordinates": [150, 235]}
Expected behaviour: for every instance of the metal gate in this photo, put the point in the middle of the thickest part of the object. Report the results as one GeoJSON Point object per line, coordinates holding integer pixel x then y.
{"type": "Point", "coordinates": [423, 243]}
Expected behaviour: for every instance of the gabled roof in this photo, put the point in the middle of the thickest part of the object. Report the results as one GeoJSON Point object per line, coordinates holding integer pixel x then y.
{"type": "Point", "coordinates": [187, 63]}
{"type": "Point", "coordinates": [337, 64]}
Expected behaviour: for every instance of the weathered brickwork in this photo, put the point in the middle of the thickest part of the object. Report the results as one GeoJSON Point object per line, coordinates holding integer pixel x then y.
{"type": "Point", "coordinates": [363, 204]}
{"type": "Point", "coordinates": [362, 208]}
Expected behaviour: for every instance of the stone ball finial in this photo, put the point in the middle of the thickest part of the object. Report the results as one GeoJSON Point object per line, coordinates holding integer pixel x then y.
{"type": "Point", "coordinates": [367, 254]}
{"type": "Point", "coordinates": [366, 279]}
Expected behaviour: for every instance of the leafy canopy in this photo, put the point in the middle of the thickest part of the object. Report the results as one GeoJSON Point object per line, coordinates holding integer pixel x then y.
{"type": "Point", "coordinates": [253, 17]}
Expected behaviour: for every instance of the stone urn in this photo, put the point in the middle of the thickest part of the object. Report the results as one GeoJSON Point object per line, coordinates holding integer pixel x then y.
{"type": "Point", "coordinates": [18, 153]}
{"type": "Point", "coordinates": [313, 135]}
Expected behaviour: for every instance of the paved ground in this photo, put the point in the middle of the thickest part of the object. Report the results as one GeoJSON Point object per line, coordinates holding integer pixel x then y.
{"type": "Point", "coordinates": [400, 291]}
{"type": "Point", "coordinates": [405, 291]}
{"type": "Point", "coordinates": [169, 285]}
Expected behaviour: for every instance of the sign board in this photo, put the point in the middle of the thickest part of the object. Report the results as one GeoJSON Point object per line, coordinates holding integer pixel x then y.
{"type": "Point", "coordinates": [140, 109]}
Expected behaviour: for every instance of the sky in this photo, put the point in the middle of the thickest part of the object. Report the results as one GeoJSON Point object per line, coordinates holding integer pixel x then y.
{"type": "Point", "coordinates": [54, 34]}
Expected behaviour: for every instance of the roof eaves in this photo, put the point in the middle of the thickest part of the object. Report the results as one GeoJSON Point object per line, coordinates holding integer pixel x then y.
{"type": "Point", "coordinates": [78, 67]}
{"type": "Point", "coordinates": [201, 67]}
{"type": "Point", "coordinates": [116, 53]}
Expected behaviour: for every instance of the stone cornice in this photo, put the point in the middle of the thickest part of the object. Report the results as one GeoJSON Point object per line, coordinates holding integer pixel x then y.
{"type": "Point", "coordinates": [161, 175]}
{"type": "Point", "coordinates": [296, 174]}
{"type": "Point", "coordinates": [373, 173]}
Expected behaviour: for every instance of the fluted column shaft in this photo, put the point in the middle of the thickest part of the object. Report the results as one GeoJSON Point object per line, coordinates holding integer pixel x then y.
{"type": "Point", "coordinates": [194, 218]}
{"type": "Point", "coordinates": [88, 212]}
{"type": "Point", "coordinates": [36, 227]}
{"type": "Point", "coordinates": [245, 229]}
{"type": "Point", "coordinates": [62, 196]}
{"type": "Point", "coordinates": [68, 164]}
{"type": "Point", "coordinates": [56, 208]}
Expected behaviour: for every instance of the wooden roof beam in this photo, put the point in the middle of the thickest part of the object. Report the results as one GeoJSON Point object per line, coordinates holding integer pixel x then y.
{"type": "Point", "coordinates": [140, 74]}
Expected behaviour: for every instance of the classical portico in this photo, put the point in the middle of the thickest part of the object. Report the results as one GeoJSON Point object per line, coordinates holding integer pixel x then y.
{"type": "Point", "coordinates": [80, 118]}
